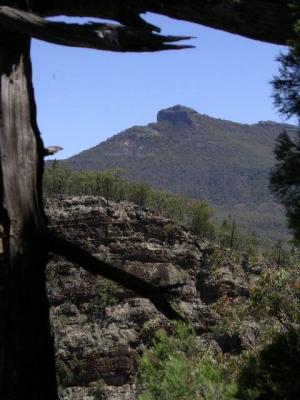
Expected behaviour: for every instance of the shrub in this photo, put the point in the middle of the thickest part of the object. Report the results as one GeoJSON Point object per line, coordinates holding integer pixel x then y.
{"type": "Point", "coordinates": [105, 293]}
{"type": "Point", "coordinates": [276, 294]}
{"type": "Point", "coordinates": [177, 367]}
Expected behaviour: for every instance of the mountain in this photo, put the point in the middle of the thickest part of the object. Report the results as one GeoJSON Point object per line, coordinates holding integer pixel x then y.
{"type": "Point", "coordinates": [201, 157]}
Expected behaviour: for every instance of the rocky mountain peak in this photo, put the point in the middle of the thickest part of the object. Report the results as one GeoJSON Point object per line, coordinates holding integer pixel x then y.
{"type": "Point", "coordinates": [177, 114]}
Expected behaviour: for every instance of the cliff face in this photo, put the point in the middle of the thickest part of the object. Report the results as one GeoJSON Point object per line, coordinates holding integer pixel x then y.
{"type": "Point", "coordinates": [101, 329]}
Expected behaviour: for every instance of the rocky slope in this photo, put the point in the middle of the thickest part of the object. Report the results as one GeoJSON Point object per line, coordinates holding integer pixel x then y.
{"type": "Point", "coordinates": [101, 329]}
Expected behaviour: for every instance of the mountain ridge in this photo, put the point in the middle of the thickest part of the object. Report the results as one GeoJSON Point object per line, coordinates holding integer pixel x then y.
{"type": "Point", "coordinates": [161, 117]}
{"type": "Point", "coordinates": [195, 155]}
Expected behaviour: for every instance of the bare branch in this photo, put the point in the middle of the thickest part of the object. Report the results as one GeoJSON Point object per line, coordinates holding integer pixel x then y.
{"type": "Point", "coordinates": [92, 35]}
{"type": "Point", "coordinates": [49, 151]}
{"type": "Point", "coordinates": [268, 21]}
{"type": "Point", "coordinates": [95, 266]}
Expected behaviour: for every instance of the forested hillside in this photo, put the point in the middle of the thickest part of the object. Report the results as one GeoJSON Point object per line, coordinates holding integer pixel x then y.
{"type": "Point", "coordinates": [200, 157]}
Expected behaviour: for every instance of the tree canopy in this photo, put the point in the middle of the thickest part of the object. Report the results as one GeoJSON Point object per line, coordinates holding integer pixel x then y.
{"type": "Point", "coordinates": [285, 178]}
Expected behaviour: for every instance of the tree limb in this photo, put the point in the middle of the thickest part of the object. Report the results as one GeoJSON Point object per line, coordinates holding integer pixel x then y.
{"type": "Point", "coordinates": [92, 35]}
{"type": "Point", "coordinates": [49, 151]}
{"type": "Point", "coordinates": [269, 21]}
{"type": "Point", "coordinates": [95, 266]}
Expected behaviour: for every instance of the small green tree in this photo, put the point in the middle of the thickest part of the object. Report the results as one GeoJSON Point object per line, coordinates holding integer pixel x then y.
{"type": "Point", "coordinates": [58, 179]}
{"type": "Point", "coordinates": [86, 183]}
{"type": "Point", "coordinates": [229, 233]}
{"type": "Point", "coordinates": [139, 193]}
{"type": "Point", "coordinates": [200, 220]}
{"type": "Point", "coordinates": [107, 184]}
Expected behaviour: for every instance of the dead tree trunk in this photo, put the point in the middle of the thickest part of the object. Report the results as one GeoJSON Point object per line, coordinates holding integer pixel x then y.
{"type": "Point", "coordinates": [26, 346]}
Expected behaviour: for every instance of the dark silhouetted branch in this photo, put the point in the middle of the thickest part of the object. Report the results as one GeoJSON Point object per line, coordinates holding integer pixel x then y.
{"type": "Point", "coordinates": [95, 266]}
{"type": "Point", "coordinates": [92, 35]}
{"type": "Point", "coordinates": [268, 20]}
{"type": "Point", "coordinates": [167, 288]}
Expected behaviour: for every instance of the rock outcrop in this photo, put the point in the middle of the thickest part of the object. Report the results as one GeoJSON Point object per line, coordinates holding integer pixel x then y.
{"type": "Point", "coordinates": [178, 114]}
{"type": "Point", "coordinates": [102, 329]}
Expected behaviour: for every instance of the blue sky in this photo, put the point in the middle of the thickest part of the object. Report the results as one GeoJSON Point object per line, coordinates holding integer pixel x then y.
{"type": "Point", "coordinates": [85, 96]}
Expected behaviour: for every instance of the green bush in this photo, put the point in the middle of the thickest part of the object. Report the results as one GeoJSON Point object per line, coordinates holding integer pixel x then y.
{"type": "Point", "coordinates": [105, 294]}
{"type": "Point", "coordinates": [177, 367]}
{"type": "Point", "coordinates": [277, 294]}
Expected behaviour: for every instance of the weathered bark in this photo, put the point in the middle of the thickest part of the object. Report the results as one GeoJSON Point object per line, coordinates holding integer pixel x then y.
{"type": "Point", "coordinates": [26, 346]}
{"type": "Point", "coordinates": [268, 20]}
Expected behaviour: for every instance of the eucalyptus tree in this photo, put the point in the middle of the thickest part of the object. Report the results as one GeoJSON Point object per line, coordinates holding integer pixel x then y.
{"type": "Point", "coordinates": [26, 345]}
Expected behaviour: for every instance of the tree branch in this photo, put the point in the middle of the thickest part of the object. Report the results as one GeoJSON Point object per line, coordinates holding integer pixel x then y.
{"type": "Point", "coordinates": [95, 266]}
{"type": "Point", "coordinates": [269, 21]}
{"type": "Point", "coordinates": [49, 151]}
{"type": "Point", "coordinates": [92, 35]}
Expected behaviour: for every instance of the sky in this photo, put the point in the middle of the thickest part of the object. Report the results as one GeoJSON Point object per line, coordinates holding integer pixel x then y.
{"type": "Point", "coordinates": [85, 96]}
